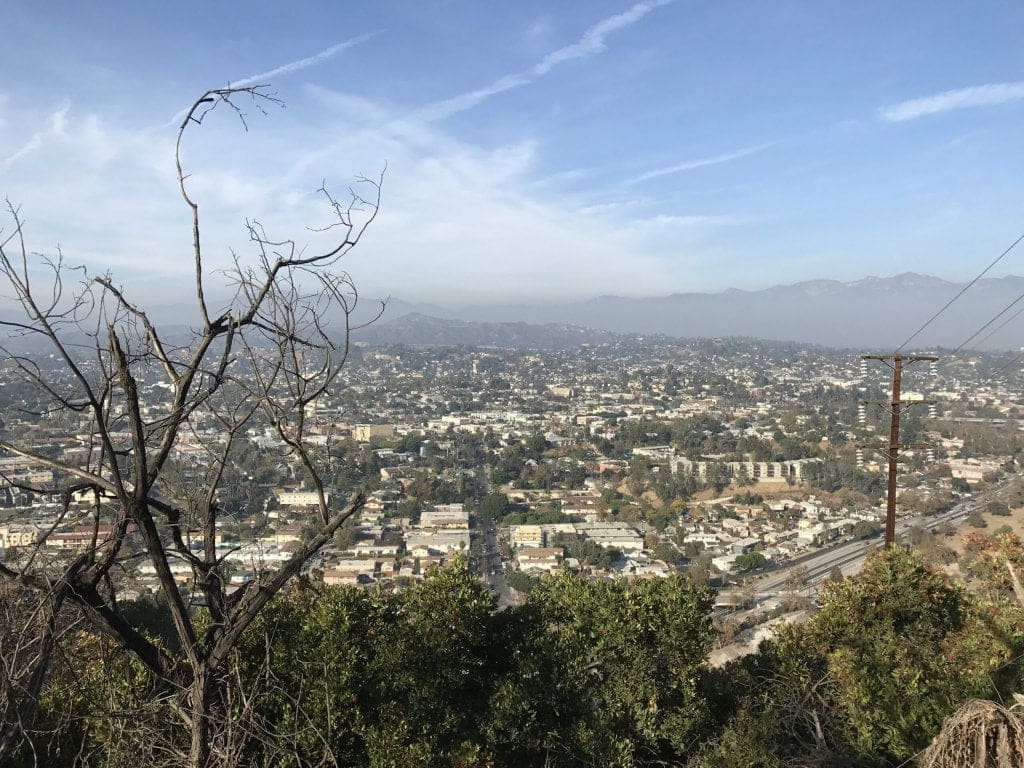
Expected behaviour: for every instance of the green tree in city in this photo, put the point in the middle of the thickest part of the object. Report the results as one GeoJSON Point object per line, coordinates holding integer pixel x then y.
{"type": "Point", "coordinates": [750, 561]}
{"type": "Point", "coordinates": [495, 505]}
{"type": "Point", "coordinates": [869, 680]}
{"type": "Point", "coordinates": [607, 673]}
{"type": "Point", "coordinates": [998, 508]}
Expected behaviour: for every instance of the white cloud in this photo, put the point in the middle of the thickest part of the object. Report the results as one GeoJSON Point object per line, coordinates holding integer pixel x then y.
{"type": "Point", "coordinates": [57, 127]}
{"type": "Point", "coordinates": [59, 119]}
{"type": "Point", "coordinates": [34, 143]}
{"type": "Point", "coordinates": [309, 61]}
{"type": "Point", "coordinates": [692, 221]}
{"type": "Point", "coordinates": [458, 220]}
{"type": "Point", "coordinates": [539, 30]}
{"type": "Point", "coordinates": [960, 98]}
{"type": "Point", "coordinates": [689, 165]}
{"type": "Point", "coordinates": [448, 107]}
{"type": "Point", "coordinates": [684, 234]}
{"type": "Point", "coordinates": [592, 42]}
{"type": "Point", "coordinates": [264, 78]}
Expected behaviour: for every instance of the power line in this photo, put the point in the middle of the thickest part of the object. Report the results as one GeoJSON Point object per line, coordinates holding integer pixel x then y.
{"type": "Point", "coordinates": [1000, 327]}
{"type": "Point", "coordinates": [963, 290]}
{"type": "Point", "coordinates": [999, 314]}
{"type": "Point", "coordinates": [891, 450]}
{"type": "Point", "coordinates": [1003, 367]}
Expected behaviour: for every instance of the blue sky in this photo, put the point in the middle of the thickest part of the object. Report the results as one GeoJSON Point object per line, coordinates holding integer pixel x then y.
{"type": "Point", "coordinates": [534, 150]}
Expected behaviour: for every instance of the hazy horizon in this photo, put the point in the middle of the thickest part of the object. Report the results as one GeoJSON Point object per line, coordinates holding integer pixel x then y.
{"type": "Point", "coordinates": [635, 149]}
{"type": "Point", "coordinates": [868, 313]}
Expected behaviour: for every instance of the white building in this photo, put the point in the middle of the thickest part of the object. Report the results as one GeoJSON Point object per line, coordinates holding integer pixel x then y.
{"type": "Point", "coordinates": [301, 498]}
{"type": "Point", "coordinates": [440, 542]}
{"type": "Point", "coordinates": [445, 516]}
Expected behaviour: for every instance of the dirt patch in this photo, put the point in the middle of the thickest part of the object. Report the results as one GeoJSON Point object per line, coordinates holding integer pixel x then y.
{"type": "Point", "coordinates": [958, 542]}
{"type": "Point", "coordinates": [772, 486]}
{"type": "Point", "coordinates": [706, 495]}
{"type": "Point", "coordinates": [653, 499]}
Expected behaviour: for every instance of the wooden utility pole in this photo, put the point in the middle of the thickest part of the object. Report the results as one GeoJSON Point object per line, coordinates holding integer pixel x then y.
{"type": "Point", "coordinates": [891, 450]}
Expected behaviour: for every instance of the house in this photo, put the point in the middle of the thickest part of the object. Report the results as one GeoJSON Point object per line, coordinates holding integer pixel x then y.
{"type": "Point", "coordinates": [301, 498]}
{"type": "Point", "coordinates": [615, 535]}
{"type": "Point", "coordinates": [363, 433]}
{"type": "Point", "coordinates": [742, 546]}
{"type": "Point", "coordinates": [445, 516]}
{"type": "Point", "coordinates": [439, 542]}
{"type": "Point", "coordinates": [724, 563]}
{"type": "Point", "coordinates": [539, 558]}
{"type": "Point", "coordinates": [815, 535]}
{"type": "Point", "coordinates": [974, 470]}
{"type": "Point", "coordinates": [350, 571]}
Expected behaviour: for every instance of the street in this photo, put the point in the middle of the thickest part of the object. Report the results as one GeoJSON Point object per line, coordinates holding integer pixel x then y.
{"type": "Point", "coordinates": [850, 556]}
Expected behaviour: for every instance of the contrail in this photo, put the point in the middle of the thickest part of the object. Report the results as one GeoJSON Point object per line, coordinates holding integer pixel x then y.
{"type": "Point", "coordinates": [309, 61]}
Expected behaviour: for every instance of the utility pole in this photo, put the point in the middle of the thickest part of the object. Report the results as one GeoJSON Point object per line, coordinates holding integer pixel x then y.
{"type": "Point", "coordinates": [891, 450]}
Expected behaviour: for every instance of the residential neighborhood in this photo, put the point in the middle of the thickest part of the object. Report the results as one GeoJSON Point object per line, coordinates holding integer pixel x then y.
{"type": "Point", "coordinates": [719, 459]}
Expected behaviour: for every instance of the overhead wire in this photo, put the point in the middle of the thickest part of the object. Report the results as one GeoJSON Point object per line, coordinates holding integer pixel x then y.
{"type": "Point", "coordinates": [984, 327]}
{"type": "Point", "coordinates": [1012, 360]}
{"type": "Point", "coordinates": [1003, 367]}
{"type": "Point", "coordinates": [1000, 327]}
{"type": "Point", "coordinates": [1019, 356]}
{"type": "Point", "coordinates": [962, 291]}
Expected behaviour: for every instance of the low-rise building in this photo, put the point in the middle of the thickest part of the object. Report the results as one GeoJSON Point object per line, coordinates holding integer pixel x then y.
{"type": "Point", "coordinates": [363, 433]}
{"type": "Point", "coordinates": [539, 558]}
{"type": "Point", "coordinates": [445, 516]}
{"type": "Point", "coordinates": [439, 542]}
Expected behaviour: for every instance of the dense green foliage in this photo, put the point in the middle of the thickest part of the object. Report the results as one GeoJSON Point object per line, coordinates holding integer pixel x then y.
{"type": "Point", "coordinates": [750, 561]}
{"type": "Point", "coordinates": [494, 505]}
{"type": "Point", "coordinates": [590, 553]}
{"type": "Point", "coordinates": [870, 678]}
{"type": "Point", "coordinates": [584, 673]}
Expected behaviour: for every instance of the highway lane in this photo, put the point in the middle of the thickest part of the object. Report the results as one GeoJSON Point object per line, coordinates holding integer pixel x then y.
{"type": "Point", "coordinates": [850, 556]}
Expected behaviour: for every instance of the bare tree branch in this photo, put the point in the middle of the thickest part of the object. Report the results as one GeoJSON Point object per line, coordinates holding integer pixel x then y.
{"type": "Point", "coordinates": [131, 402]}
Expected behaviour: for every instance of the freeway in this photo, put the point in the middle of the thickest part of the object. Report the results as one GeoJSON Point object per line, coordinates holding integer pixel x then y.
{"type": "Point", "coordinates": [849, 557]}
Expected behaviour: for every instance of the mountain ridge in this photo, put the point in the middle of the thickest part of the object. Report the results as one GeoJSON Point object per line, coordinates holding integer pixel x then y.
{"type": "Point", "coordinates": [871, 312]}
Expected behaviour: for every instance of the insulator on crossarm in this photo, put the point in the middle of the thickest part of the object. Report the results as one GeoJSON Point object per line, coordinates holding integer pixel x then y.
{"type": "Point", "coordinates": [933, 411]}
{"type": "Point", "coordinates": [930, 456]}
{"type": "Point", "coordinates": [862, 414]}
{"type": "Point", "coordinates": [860, 459]}
{"type": "Point", "coordinates": [933, 368]}
{"type": "Point", "coordinates": [863, 369]}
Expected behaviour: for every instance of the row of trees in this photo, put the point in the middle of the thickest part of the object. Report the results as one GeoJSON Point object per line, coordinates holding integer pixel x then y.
{"type": "Point", "coordinates": [586, 670]}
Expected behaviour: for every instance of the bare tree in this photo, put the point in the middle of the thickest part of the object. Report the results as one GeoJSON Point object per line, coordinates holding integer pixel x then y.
{"type": "Point", "coordinates": [31, 625]}
{"type": "Point", "coordinates": [133, 398]}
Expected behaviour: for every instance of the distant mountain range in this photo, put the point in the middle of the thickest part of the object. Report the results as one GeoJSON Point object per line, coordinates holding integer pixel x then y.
{"type": "Point", "coordinates": [873, 313]}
